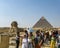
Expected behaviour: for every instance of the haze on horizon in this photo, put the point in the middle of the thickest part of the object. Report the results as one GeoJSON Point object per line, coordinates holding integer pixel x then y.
{"type": "Point", "coordinates": [28, 12]}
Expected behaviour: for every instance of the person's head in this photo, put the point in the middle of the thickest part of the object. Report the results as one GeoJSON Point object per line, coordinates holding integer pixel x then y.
{"type": "Point", "coordinates": [31, 34]}
{"type": "Point", "coordinates": [26, 31]}
{"type": "Point", "coordinates": [25, 36]}
{"type": "Point", "coordinates": [38, 32]}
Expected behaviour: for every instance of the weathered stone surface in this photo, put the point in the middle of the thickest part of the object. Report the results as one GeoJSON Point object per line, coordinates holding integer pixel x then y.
{"type": "Point", "coordinates": [4, 41]}
{"type": "Point", "coordinates": [42, 23]}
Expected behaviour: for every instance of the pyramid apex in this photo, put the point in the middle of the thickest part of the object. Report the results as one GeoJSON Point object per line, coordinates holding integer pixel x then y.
{"type": "Point", "coordinates": [42, 17]}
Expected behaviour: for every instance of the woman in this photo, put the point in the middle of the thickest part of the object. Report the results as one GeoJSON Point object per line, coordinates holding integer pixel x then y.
{"type": "Point", "coordinates": [38, 40]}
{"type": "Point", "coordinates": [30, 42]}
{"type": "Point", "coordinates": [25, 42]}
{"type": "Point", "coordinates": [52, 41]}
{"type": "Point", "coordinates": [32, 38]}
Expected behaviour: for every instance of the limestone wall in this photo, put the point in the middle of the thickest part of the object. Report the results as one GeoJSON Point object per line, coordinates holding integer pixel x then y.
{"type": "Point", "coordinates": [6, 29]}
{"type": "Point", "coordinates": [4, 41]}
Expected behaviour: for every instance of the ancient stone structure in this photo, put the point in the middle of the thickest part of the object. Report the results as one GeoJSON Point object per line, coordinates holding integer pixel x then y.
{"type": "Point", "coordinates": [4, 41]}
{"type": "Point", "coordinates": [42, 23]}
{"type": "Point", "coordinates": [14, 27]}
{"type": "Point", "coordinates": [13, 32]}
{"type": "Point", "coordinates": [9, 39]}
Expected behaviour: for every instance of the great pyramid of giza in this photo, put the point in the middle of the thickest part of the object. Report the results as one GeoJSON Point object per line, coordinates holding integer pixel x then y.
{"type": "Point", "coordinates": [42, 23]}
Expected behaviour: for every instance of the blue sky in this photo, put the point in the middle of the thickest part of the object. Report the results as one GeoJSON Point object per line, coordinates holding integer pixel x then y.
{"type": "Point", "coordinates": [28, 12]}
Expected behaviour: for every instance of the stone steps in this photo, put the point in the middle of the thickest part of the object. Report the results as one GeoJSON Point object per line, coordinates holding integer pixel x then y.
{"type": "Point", "coordinates": [12, 41]}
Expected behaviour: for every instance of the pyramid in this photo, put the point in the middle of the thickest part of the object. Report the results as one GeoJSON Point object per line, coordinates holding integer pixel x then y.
{"type": "Point", "coordinates": [42, 23]}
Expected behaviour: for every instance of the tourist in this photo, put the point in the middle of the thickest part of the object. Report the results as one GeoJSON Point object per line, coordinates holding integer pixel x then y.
{"type": "Point", "coordinates": [58, 40]}
{"type": "Point", "coordinates": [26, 33]}
{"type": "Point", "coordinates": [30, 42]}
{"type": "Point", "coordinates": [53, 41]}
{"type": "Point", "coordinates": [32, 37]}
{"type": "Point", "coordinates": [42, 36]}
{"type": "Point", "coordinates": [38, 40]}
{"type": "Point", "coordinates": [17, 41]}
{"type": "Point", "coordinates": [47, 37]}
{"type": "Point", "coordinates": [24, 42]}
{"type": "Point", "coordinates": [50, 34]}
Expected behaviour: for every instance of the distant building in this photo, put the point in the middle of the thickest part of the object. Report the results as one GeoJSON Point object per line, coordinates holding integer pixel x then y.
{"type": "Point", "coordinates": [42, 23]}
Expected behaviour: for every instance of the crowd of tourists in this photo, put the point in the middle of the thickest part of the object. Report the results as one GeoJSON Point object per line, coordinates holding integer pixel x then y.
{"type": "Point", "coordinates": [41, 38]}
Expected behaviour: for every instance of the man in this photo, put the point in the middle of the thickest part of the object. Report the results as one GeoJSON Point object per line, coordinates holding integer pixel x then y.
{"type": "Point", "coordinates": [17, 40]}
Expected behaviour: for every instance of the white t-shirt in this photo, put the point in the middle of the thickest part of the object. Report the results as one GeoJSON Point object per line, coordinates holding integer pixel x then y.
{"type": "Point", "coordinates": [25, 40]}
{"type": "Point", "coordinates": [25, 43]}
{"type": "Point", "coordinates": [29, 40]}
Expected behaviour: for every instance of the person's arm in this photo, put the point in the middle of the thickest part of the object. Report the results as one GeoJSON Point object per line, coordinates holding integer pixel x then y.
{"type": "Point", "coordinates": [40, 42]}
{"type": "Point", "coordinates": [44, 37]}
{"type": "Point", "coordinates": [33, 41]}
{"type": "Point", "coordinates": [21, 36]}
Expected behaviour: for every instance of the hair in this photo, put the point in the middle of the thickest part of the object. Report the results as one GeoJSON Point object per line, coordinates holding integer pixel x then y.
{"type": "Point", "coordinates": [24, 36]}
{"type": "Point", "coordinates": [31, 34]}
{"type": "Point", "coordinates": [26, 31]}
{"type": "Point", "coordinates": [38, 31]}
